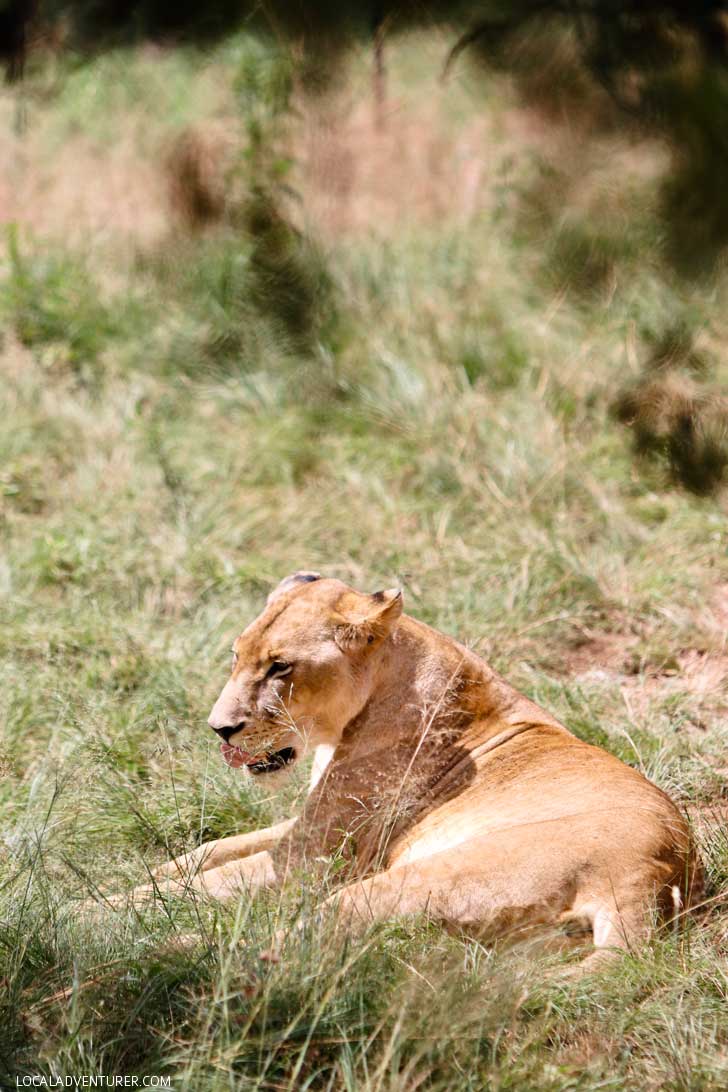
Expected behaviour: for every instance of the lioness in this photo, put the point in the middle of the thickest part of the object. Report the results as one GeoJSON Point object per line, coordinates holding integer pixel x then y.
{"type": "Point", "coordinates": [448, 791]}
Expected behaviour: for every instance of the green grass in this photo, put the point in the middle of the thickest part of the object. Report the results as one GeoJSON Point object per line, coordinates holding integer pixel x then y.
{"type": "Point", "coordinates": [184, 424]}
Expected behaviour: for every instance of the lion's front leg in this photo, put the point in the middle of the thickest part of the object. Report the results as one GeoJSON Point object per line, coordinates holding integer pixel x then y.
{"type": "Point", "coordinates": [392, 893]}
{"type": "Point", "coordinates": [223, 851]}
{"type": "Point", "coordinates": [219, 869]}
{"type": "Point", "coordinates": [232, 879]}
{"type": "Point", "coordinates": [395, 892]}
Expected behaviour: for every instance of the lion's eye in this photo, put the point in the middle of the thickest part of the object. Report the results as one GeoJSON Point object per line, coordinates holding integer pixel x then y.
{"type": "Point", "coordinates": [278, 669]}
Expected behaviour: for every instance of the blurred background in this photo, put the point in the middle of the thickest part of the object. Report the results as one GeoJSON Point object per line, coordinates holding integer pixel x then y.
{"type": "Point", "coordinates": [225, 158]}
{"type": "Point", "coordinates": [426, 293]}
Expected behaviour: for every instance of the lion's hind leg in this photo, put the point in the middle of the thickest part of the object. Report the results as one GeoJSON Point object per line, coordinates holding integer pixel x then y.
{"type": "Point", "coordinates": [498, 889]}
{"type": "Point", "coordinates": [617, 926]}
{"type": "Point", "coordinates": [478, 889]}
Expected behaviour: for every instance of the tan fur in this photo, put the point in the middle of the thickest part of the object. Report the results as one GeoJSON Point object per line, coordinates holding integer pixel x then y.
{"type": "Point", "coordinates": [445, 790]}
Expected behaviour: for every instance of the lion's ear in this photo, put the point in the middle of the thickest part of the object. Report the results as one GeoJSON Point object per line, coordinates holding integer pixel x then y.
{"type": "Point", "coordinates": [372, 618]}
{"type": "Point", "coordinates": [289, 582]}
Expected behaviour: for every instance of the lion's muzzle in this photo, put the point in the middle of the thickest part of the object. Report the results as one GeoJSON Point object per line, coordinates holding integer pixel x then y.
{"type": "Point", "coordinates": [257, 764]}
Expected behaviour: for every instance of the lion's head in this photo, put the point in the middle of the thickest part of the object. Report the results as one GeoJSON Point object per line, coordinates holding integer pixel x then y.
{"type": "Point", "coordinates": [301, 671]}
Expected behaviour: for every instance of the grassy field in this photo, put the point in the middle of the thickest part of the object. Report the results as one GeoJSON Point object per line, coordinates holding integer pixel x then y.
{"type": "Point", "coordinates": [420, 385]}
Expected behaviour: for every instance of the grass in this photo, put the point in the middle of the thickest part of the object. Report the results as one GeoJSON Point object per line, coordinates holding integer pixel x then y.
{"type": "Point", "coordinates": [436, 408]}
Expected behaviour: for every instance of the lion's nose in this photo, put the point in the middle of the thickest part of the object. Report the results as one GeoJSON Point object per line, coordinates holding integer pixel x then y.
{"type": "Point", "coordinates": [226, 730]}
{"type": "Point", "coordinates": [226, 715]}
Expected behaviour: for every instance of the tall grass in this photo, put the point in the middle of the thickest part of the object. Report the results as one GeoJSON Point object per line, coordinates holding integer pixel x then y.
{"type": "Point", "coordinates": [435, 408]}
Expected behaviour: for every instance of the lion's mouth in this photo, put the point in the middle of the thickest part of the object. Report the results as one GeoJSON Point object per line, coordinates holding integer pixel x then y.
{"type": "Point", "coordinates": [257, 764]}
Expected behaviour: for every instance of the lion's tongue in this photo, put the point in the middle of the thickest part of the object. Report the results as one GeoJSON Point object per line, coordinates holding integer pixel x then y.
{"type": "Point", "coordinates": [236, 757]}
